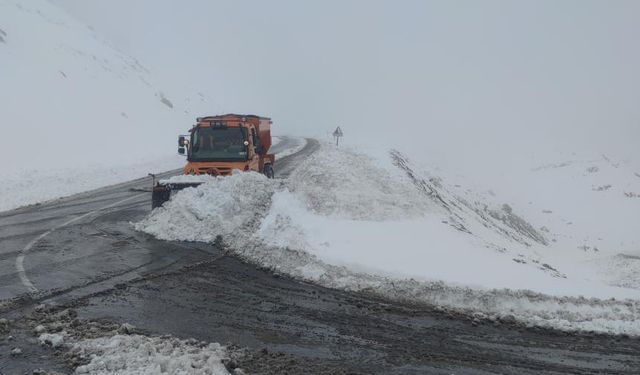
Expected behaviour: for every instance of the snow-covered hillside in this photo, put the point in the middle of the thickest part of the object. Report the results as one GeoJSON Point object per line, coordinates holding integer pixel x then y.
{"type": "Point", "coordinates": [73, 106]}
{"type": "Point", "coordinates": [377, 221]}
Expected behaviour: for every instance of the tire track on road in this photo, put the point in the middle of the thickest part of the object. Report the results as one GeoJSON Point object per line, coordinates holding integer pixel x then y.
{"type": "Point", "coordinates": [22, 274]}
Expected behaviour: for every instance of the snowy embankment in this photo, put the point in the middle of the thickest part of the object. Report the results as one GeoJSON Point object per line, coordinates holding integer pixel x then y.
{"type": "Point", "coordinates": [389, 227]}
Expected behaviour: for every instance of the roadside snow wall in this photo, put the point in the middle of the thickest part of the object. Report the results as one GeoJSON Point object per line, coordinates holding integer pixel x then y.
{"type": "Point", "coordinates": [355, 222]}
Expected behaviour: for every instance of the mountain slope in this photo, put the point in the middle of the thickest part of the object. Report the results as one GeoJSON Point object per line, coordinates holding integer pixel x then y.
{"type": "Point", "coordinates": [74, 107]}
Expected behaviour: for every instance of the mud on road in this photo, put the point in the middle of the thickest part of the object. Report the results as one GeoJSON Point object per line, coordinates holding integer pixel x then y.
{"type": "Point", "coordinates": [104, 274]}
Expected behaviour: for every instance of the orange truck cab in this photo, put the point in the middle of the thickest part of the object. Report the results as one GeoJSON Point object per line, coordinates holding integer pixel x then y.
{"type": "Point", "coordinates": [217, 145]}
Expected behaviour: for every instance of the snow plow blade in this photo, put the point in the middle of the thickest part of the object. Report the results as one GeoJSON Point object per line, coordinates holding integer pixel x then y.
{"type": "Point", "coordinates": [162, 192]}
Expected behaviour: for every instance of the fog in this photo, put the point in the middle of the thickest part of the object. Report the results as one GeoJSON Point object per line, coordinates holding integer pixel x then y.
{"type": "Point", "coordinates": [476, 83]}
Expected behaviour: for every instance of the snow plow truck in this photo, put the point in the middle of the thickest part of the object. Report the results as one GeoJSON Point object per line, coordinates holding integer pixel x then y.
{"type": "Point", "coordinates": [217, 145]}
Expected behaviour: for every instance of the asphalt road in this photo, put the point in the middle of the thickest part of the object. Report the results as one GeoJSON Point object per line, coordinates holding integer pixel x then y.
{"type": "Point", "coordinates": [81, 252]}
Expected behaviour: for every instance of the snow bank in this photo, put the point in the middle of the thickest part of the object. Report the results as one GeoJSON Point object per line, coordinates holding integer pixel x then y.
{"type": "Point", "coordinates": [224, 206]}
{"type": "Point", "coordinates": [137, 355]}
{"type": "Point", "coordinates": [379, 224]}
{"type": "Point", "coordinates": [348, 184]}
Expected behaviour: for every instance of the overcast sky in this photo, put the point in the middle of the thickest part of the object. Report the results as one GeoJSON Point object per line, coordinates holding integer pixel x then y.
{"type": "Point", "coordinates": [504, 76]}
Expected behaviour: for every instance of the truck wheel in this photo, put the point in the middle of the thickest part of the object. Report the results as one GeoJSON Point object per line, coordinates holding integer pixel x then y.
{"type": "Point", "coordinates": [268, 171]}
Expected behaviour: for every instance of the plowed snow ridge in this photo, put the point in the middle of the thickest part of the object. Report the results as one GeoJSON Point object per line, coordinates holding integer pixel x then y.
{"type": "Point", "coordinates": [387, 228]}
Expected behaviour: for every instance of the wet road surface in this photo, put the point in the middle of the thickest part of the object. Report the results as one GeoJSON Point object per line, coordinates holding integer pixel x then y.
{"type": "Point", "coordinates": [103, 269]}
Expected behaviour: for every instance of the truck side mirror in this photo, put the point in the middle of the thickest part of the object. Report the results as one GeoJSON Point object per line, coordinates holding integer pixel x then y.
{"type": "Point", "coordinates": [181, 141]}
{"type": "Point", "coordinates": [181, 150]}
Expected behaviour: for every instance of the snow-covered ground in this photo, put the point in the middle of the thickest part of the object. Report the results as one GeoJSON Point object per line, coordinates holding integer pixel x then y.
{"type": "Point", "coordinates": [376, 221]}
{"type": "Point", "coordinates": [32, 186]}
{"type": "Point", "coordinates": [76, 113]}
{"type": "Point", "coordinates": [69, 99]}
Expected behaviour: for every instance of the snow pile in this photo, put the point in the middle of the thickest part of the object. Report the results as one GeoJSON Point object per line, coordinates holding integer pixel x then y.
{"type": "Point", "coordinates": [382, 225]}
{"type": "Point", "coordinates": [104, 347]}
{"type": "Point", "coordinates": [136, 354]}
{"type": "Point", "coordinates": [224, 206]}
{"type": "Point", "coordinates": [348, 184]}
{"type": "Point", "coordinates": [55, 340]}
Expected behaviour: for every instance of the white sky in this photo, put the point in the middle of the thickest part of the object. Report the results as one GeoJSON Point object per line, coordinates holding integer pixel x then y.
{"type": "Point", "coordinates": [495, 78]}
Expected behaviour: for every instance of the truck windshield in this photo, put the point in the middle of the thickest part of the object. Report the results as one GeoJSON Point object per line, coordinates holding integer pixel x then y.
{"type": "Point", "coordinates": [224, 144]}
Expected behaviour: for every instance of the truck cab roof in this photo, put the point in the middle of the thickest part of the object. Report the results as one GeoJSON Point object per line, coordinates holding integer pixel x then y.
{"type": "Point", "coordinates": [231, 117]}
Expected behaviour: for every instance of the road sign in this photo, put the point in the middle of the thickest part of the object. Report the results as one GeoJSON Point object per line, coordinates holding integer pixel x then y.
{"type": "Point", "coordinates": [337, 134]}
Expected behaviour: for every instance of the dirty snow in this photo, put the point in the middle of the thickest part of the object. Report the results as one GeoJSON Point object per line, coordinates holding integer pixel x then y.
{"type": "Point", "coordinates": [55, 340]}
{"type": "Point", "coordinates": [108, 348]}
{"type": "Point", "coordinates": [393, 228]}
{"type": "Point", "coordinates": [137, 355]}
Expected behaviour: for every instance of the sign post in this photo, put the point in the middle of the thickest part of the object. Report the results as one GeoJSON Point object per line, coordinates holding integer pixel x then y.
{"type": "Point", "coordinates": [337, 134]}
